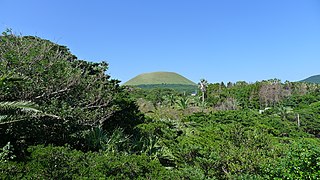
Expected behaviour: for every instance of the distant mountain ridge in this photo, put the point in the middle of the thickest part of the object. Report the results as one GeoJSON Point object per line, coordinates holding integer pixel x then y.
{"type": "Point", "coordinates": [312, 79]}
{"type": "Point", "coordinates": [169, 80]}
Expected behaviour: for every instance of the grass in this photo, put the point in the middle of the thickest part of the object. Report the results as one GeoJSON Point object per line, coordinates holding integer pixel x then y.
{"type": "Point", "coordinates": [159, 78]}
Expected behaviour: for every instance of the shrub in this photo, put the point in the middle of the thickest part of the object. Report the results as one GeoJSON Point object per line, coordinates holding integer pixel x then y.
{"type": "Point", "coordinates": [64, 163]}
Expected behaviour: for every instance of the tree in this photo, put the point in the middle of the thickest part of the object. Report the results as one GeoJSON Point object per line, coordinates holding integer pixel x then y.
{"type": "Point", "coordinates": [270, 92]}
{"type": "Point", "coordinates": [170, 99]}
{"type": "Point", "coordinates": [80, 93]}
{"type": "Point", "coordinates": [203, 84]}
{"type": "Point", "coordinates": [229, 85]}
{"type": "Point", "coordinates": [183, 102]}
{"type": "Point", "coordinates": [284, 112]}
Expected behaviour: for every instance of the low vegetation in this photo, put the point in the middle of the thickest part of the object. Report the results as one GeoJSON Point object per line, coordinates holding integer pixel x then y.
{"type": "Point", "coordinates": [65, 118]}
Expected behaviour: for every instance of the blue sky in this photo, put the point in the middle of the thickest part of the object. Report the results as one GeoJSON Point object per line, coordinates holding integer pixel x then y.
{"type": "Point", "coordinates": [220, 40]}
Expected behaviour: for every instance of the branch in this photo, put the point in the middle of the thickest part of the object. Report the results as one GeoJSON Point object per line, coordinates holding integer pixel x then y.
{"type": "Point", "coordinates": [98, 106]}
{"type": "Point", "coordinates": [53, 93]}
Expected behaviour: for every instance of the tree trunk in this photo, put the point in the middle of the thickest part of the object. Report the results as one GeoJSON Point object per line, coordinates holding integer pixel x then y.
{"type": "Point", "coordinates": [202, 97]}
{"type": "Point", "coordinates": [298, 120]}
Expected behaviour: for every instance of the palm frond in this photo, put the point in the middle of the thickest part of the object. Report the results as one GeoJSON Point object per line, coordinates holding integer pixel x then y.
{"type": "Point", "coordinates": [25, 106]}
{"type": "Point", "coordinates": [3, 117]}
{"type": "Point", "coordinates": [7, 78]}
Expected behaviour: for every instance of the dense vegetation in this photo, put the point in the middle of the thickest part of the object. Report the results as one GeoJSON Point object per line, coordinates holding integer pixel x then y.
{"type": "Point", "coordinates": [64, 118]}
{"type": "Point", "coordinates": [189, 89]}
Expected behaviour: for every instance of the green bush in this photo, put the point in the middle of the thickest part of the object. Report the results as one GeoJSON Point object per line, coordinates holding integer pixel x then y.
{"type": "Point", "coordinates": [64, 163]}
{"type": "Point", "coordinates": [300, 160]}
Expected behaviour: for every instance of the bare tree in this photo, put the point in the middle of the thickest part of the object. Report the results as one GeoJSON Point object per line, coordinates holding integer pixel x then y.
{"type": "Point", "coordinates": [270, 92]}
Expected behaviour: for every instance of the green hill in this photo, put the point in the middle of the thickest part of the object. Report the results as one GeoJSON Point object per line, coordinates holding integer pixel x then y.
{"type": "Point", "coordinates": [159, 78]}
{"type": "Point", "coordinates": [312, 79]}
{"type": "Point", "coordinates": [162, 80]}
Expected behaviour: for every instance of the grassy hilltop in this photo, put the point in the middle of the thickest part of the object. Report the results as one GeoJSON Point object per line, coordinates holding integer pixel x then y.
{"type": "Point", "coordinates": [159, 78]}
{"type": "Point", "coordinates": [170, 80]}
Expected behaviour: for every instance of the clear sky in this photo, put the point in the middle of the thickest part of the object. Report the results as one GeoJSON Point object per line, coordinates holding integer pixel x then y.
{"type": "Point", "coordinates": [220, 40]}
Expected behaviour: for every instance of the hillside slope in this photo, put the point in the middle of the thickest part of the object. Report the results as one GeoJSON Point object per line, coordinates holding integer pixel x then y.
{"type": "Point", "coordinates": [312, 79]}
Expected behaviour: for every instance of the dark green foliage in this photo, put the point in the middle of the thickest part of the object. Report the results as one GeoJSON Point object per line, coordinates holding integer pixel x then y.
{"type": "Point", "coordinates": [126, 116]}
{"type": "Point", "coordinates": [298, 101]}
{"type": "Point", "coordinates": [259, 95]}
{"type": "Point", "coordinates": [77, 94]}
{"type": "Point", "coordinates": [98, 139]}
{"type": "Point", "coordinates": [246, 95]}
{"type": "Point", "coordinates": [177, 87]}
{"type": "Point", "coordinates": [63, 163]}
{"type": "Point", "coordinates": [300, 160]}
{"type": "Point", "coordinates": [310, 119]}
{"type": "Point", "coordinates": [227, 144]}
{"type": "Point", "coordinates": [64, 118]}
{"type": "Point", "coordinates": [6, 153]}
{"type": "Point", "coordinates": [156, 96]}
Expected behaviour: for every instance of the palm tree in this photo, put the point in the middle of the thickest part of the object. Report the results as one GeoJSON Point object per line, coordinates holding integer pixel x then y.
{"type": "Point", "coordinates": [183, 102]}
{"type": "Point", "coordinates": [170, 99]}
{"type": "Point", "coordinates": [98, 139]}
{"type": "Point", "coordinates": [283, 112]}
{"type": "Point", "coordinates": [203, 84]}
